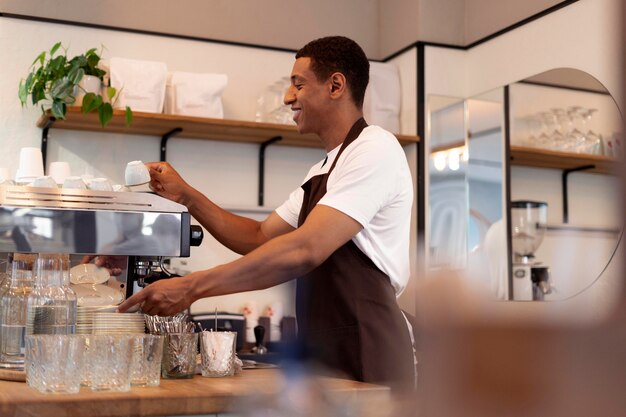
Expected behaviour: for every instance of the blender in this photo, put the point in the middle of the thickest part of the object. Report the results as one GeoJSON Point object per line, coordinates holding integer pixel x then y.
{"type": "Point", "coordinates": [528, 226]}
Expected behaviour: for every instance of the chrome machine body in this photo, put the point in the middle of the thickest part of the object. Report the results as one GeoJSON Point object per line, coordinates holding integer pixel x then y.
{"type": "Point", "coordinates": [140, 229]}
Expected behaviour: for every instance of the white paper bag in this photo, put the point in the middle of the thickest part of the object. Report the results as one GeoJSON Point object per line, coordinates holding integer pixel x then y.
{"type": "Point", "coordinates": [195, 94]}
{"type": "Point", "coordinates": [381, 106]}
{"type": "Point", "coordinates": [140, 84]}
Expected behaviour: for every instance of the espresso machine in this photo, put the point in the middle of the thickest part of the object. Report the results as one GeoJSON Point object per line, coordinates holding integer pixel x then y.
{"type": "Point", "coordinates": [140, 230]}
{"type": "Point", "coordinates": [531, 279]}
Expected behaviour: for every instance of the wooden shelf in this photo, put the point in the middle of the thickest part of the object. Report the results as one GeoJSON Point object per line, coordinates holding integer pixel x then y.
{"type": "Point", "coordinates": [156, 124]}
{"type": "Point", "coordinates": [542, 158]}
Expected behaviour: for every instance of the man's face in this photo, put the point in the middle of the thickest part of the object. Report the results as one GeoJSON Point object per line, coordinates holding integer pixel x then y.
{"type": "Point", "coordinates": [307, 97]}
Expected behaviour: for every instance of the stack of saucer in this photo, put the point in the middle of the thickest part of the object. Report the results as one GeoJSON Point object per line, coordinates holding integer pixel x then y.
{"type": "Point", "coordinates": [104, 320]}
{"type": "Point", "coordinates": [119, 323]}
{"type": "Point", "coordinates": [84, 317]}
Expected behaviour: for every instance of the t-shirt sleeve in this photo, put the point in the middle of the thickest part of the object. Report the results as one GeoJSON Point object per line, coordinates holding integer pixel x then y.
{"type": "Point", "coordinates": [364, 180]}
{"type": "Point", "coordinates": [289, 211]}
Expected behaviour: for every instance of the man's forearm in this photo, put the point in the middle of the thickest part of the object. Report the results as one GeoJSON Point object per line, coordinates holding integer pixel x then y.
{"type": "Point", "coordinates": [239, 234]}
{"type": "Point", "coordinates": [281, 259]}
{"type": "Point", "coordinates": [275, 262]}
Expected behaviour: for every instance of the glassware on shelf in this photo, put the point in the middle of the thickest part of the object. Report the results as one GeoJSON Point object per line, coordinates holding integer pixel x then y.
{"type": "Point", "coordinates": [593, 141]}
{"type": "Point", "coordinates": [535, 129]}
{"type": "Point", "coordinates": [13, 308]}
{"type": "Point", "coordinates": [270, 104]}
{"type": "Point", "coordinates": [51, 309]}
{"type": "Point", "coordinates": [552, 136]}
{"type": "Point", "coordinates": [575, 136]}
{"type": "Point", "coordinates": [564, 126]}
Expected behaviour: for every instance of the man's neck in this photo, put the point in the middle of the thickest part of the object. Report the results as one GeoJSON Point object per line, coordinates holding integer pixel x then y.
{"type": "Point", "coordinates": [338, 127]}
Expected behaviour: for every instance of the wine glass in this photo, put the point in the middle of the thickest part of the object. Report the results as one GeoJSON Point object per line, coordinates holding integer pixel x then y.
{"type": "Point", "coordinates": [577, 138]}
{"type": "Point", "coordinates": [593, 142]}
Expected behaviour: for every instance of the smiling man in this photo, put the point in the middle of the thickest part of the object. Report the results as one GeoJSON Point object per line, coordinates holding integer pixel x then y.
{"type": "Point", "coordinates": [344, 234]}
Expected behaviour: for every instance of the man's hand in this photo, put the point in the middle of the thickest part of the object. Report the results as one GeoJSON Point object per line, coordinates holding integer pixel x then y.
{"type": "Point", "coordinates": [165, 297]}
{"type": "Point", "coordinates": [166, 182]}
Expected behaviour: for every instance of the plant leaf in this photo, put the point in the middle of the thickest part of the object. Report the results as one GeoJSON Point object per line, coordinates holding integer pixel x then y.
{"type": "Point", "coordinates": [75, 75]}
{"type": "Point", "coordinates": [88, 100]}
{"type": "Point", "coordinates": [111, 92]}
{"type": "Point", "coordinates": [129, 116]}
{"type": "Point", "coordinates": [41, 57]}
{"type": "Point", "coordinates": [105, 113]}
{"type": "Point", "coordinates": [55, 48]}
{"type": "Point", "coordinates": [58, 109]}
{"type": "Point", "coordinates": [23, 93]}
{"type": "Point", "coordinates": [91, 102]}
{"type": "Point", "coordinates": [61, 88]}
{"type": "Point", "coordinates": [38, 94]}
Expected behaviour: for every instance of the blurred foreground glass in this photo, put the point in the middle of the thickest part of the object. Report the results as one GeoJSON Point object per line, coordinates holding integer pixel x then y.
{"type": "Point", "coordinates": [179, 355]}
{"type": "Point", "coordinates": [13, 311]}
{"type": "Point", "coordinates": [51, 305]}
{"type": "Point", "coordinates": [54, 363]}
{"type": "Point", "coordinates": [145, 369]}
{"type": "Point", "coordinates": [218, 353]}
{"type": "Point", "coordinates": [110, 359]}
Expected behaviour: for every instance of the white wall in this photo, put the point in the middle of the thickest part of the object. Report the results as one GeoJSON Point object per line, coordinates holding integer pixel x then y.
{"type": "Point", "coordinates": [276, 23]}
{"type": "Point", "coordinates": [227, 173]}
{"type": "Point", "coordinates": [554, 41]}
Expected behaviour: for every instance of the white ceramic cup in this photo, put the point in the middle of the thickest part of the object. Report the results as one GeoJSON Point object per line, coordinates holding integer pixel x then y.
{"type": "Point", "coordinates": [100, 184]}
{"type": "Point", "coordinates": [75, 183]}
{"type": "Point", "coordinates": [45, 181]}
{"type": "Point", "coordinates": [4, 174]}
{"type": "Point", "coordinates": [59, 171]}
{"type": "Point", "coordinates": [30, 165]}
{"type": "Point", "coordinates": [136, 173]}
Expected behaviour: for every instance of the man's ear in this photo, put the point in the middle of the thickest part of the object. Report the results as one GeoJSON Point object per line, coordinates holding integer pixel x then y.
{"type": "Point", "coordinates": [337, 84]}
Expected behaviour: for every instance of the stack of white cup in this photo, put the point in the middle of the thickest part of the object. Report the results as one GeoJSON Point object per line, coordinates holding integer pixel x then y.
{"type": "Point", "coordinates": [30, 166]}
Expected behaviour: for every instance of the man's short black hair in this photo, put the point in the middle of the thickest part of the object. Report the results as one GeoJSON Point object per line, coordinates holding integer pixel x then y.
{"type": "Point", "coordinates": [339, 54]}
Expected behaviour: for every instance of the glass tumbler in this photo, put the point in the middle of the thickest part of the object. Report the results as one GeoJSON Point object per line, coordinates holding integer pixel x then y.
{"type": "Point", "coordinates": [110, 358]}
{"type": "Point", "coordinates": [54, 363]}
{"type": "Point", "coordinates": [145, 368]}
{"type": "Point", "coordinates": [218, 353]}
{"type": "Point", "coordinates": [179, 355]}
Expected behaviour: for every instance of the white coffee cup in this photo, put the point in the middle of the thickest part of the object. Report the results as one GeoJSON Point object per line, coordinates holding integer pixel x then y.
{"type": "Point", "coordinates": [100, 184]}
{"type": "Point", "coordinates": [59, 171]}
{"type": "Point", "coordinates": [30, 165]}
{"type": "Point", "coordinates": [75, 183]}
{"type": "Point", "coordinates": [4, 174]}
{"type": "Point", "coordinates": [45, 181]}
{"type": "Point", "coordinates": [136, 173]}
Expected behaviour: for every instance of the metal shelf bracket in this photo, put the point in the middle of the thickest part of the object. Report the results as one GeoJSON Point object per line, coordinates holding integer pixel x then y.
{"type": "Point", "coordinates": [44, 138]}
{"type": "Point", "coordinates": [164, 140]}
{"type": "Point", "coordinates": [564, 179]}
{"type": "Point", "coordinates": [264, 145]}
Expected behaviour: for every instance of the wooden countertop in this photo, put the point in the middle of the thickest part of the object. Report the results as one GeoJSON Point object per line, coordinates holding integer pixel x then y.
{"type": "Point", "coordinates": [181, 397]}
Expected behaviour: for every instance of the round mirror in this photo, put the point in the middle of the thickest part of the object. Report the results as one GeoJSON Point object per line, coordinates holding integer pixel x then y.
{"type": "Point", "coordinates": [565, 143]}
{"type": "Point", "coordinates": [530, 167]}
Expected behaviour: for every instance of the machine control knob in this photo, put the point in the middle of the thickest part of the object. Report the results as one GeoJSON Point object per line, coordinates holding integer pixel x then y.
{"type": "Point", "coordinates": [197, 234]}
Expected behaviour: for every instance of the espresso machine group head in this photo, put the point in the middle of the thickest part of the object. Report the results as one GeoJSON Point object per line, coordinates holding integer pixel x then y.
{"type": "Point", "coordinates": [137, 230]}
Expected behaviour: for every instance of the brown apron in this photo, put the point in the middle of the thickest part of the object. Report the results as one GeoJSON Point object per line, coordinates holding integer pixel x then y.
{"type": "Point", "coordinates": [348, 317]}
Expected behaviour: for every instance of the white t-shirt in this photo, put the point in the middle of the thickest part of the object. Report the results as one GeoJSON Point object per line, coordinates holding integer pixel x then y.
{"type": "Point", "coordinates": [372, 184]}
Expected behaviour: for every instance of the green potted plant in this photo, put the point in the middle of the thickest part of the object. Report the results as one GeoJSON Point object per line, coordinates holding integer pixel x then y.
{"type": "Point", "coordinates": [54, 81]}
